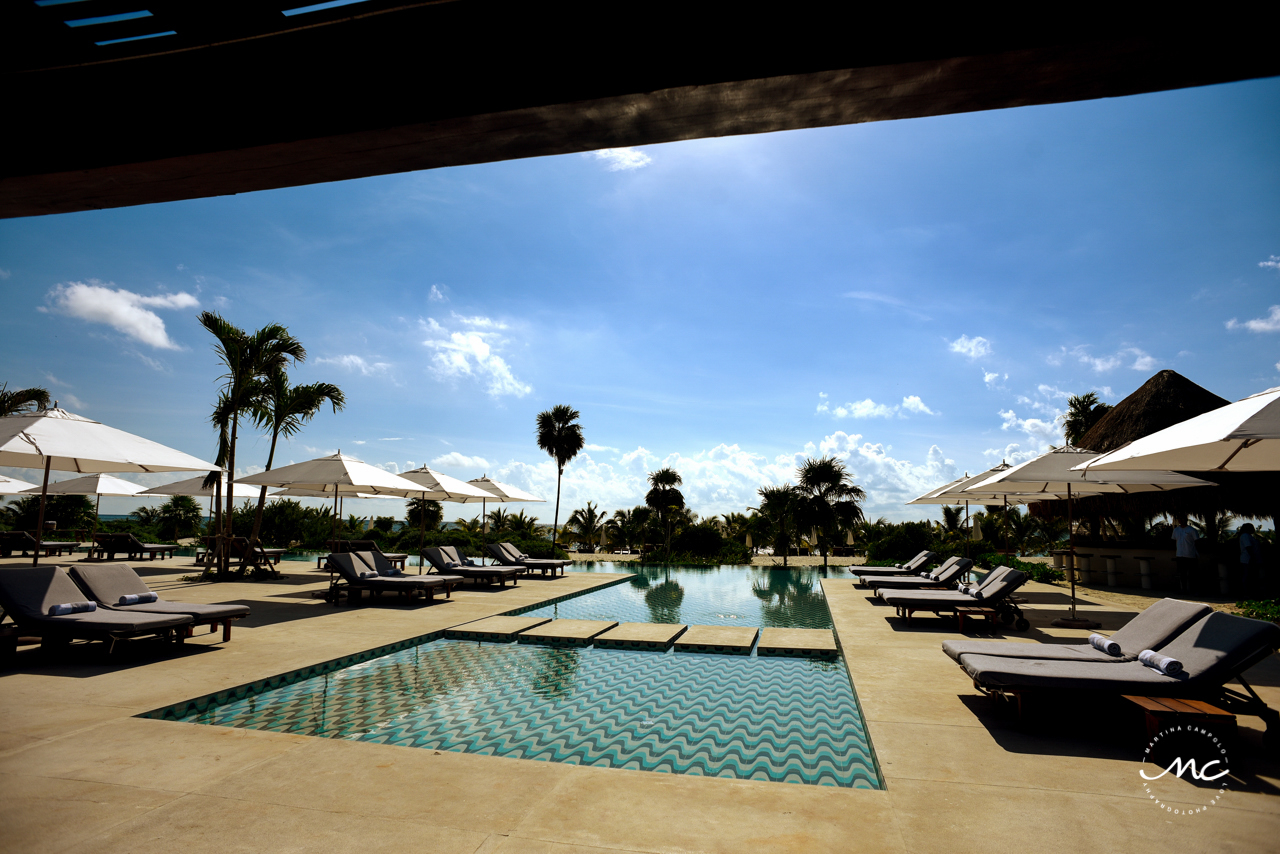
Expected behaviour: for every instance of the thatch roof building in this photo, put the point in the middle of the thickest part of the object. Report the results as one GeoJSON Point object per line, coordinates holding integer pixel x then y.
{"type": "Point", "coordinates": [1166, 399]}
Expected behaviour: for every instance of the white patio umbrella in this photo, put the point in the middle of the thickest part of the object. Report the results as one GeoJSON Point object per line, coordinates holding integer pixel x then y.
{"type": "Point", "coordinates": [954, 493]}
{"type": "Point", "coordinates": [96, 485]}
{"type": "Point", "coordinates": [294, 492]}
{"type": "Point", "coordinates": [56, 439]}
{"type": "Point", "coordinates": [438, 486]}
{"type": "Point", "coordinates": [1053, 473]}
{"type": "Point", "coordinates": [13, 486]}
{"type": "Point", "coordinates": [499, 493]}
{"type": "Point", "coordinates": [1241, 436]}
{"type": "Point", "coordinates": [194, 486]}
{"type": "Point", "coordinates": [334, 476]}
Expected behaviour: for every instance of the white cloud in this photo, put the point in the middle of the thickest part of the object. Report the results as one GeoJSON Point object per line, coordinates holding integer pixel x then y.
{"type": "Point", "coordinates": [868, 408]}
{"type": "Point", "coordinates": [455, 460]}
{"type": "Point", "coordinates": [621, 159]}
{"type": "Point", "coordinates": [861, 409]}
{"type": "Point", "coordinates": [153, 364]}
{"type": "Point", "coordinates": [591, 447]}
{"type": "Point", "coordinates": [52, 380]}
{"type": "Point", "coordinates": [974, 348]}
{"type": "Point", "coordinates": [989, 377]}
{"type": "Point", "coordinates": [913, 403]}
{"type": "Point", "coordinates": [4, 274]}
{"type": "Point", "coordinates": [122, 310]}
{"type": "Point", "coordinates": [1013, 453]}
{"type": "Point", "coordinates": [69, 399]}
{"type": "Point", "coordinates": [1273, 263]}
{"type": "Point", "coordinates": [871, 296]}
{"type": "Point", "coordinates": [472, 352]}
{"type": "Point", "coordinates": [1270, 323]}
{"type": "Point", "coordinates": [436, 295]}
{"type": "Point", "coordinates": [356, 363]}
{"type": "Point", "coordinates": [1142, 361]}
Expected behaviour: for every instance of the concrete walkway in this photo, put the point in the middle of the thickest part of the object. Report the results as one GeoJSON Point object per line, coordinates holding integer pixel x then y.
{"type": "Point", "coordinates": [80, 773]}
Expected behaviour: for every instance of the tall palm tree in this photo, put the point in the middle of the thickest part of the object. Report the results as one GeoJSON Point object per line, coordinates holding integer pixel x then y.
{"type": "Point", "coordinates": [498, 519]}
{"type": "Point", "coordinates": [283, 409]}
{"type": "Point", "coordinates": [22, 400]}
{"type": "Point", "coordinates": [560, 435]}
{"type": "Point", "coordinates": [1083, 411]}
{"type": "Point", "coordinates": [665, 498]}
{"type": "Point", "coordinates": [778, 505]}
{"type": "Point", "coordinates": [831, 501]}
{"type": "Point", "coordinates": [248, 359]}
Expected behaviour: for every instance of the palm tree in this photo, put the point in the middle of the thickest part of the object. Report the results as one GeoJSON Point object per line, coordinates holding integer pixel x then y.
{"type": "Point", "coordinates": [498, 519]}
{"type": "Point", "coordinates": [778, 505]}
{"type": "Point", "coordinates": [283, 409]}
{"type": "Point", "coordinates": [423, 513]}
{"type": "Point", "coordinates": [831, 501]}
{"type": "Point", "coordinates": [559, 435]}
{"type": "Point", "coordinates": [664, 498]}
{"type": "Point", "coordinates": [1083, 411]}
{"type": "Point", "coordinates": [586, 523]}
{"type": "Point", "coordinates": [248, 360]}
{"type": "Point", "coordinates": [22, 400]}
{"type": "Point", "coordinates": [522, 526]}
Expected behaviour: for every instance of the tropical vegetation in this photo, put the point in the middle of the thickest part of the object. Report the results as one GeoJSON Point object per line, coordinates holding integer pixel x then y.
{"type": "Point", "coordinates": [22, 400]}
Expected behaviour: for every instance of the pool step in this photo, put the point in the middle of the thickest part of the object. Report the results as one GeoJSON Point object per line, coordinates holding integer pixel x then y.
{"type": "Point", "coordinates": [566, 632]}
{"type": "Point", "coordinates": [499, 629]}
{"type": "Point", "coordinates": [798, 643]}
{"type": "Point", "coordinates": [649, 636]}
{"type": "Point", "coordinates": [726, 640]}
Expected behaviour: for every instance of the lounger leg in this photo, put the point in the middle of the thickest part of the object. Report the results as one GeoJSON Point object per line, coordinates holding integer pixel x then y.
{"type": "Point", "coordinates": [226, 630]}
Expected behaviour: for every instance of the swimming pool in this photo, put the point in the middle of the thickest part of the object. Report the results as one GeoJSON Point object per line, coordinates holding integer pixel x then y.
{"type": "Point", "coordinates": [746, 717]}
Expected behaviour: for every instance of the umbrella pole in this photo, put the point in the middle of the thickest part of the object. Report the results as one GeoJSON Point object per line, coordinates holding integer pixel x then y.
{"type": "Point", "coordinates": [44, 491]}
{"type": "Point", "coordinates": [422, 534]}
{"type": "Point", "coordinates": [1073, 622]}
{"type": "Point", "coordinates": [335, 517]}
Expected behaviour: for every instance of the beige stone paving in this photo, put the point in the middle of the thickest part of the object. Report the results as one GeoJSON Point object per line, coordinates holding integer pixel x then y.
{"type": "Point", "coordinates": [806, 640]}
{"type": "Point", "coordinates": [79, 773]}
{"type": "Point", "coordinates": [738, 638]}
{"type": "Point", "coordinates": [961, 765]}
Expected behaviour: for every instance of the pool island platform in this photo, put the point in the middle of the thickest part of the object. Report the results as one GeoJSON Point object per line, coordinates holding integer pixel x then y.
{"type": "Point", "coordinates": [82, 773]}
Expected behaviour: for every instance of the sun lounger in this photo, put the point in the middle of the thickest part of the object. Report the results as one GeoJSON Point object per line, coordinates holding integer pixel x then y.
{"type": "Point", "coordinates": [445, 559]}
{"type": "Point", "coordinates": [1153, 629]}
{"type": "Point", "coordinates": [378, 562]}
{"type": "Point", "coordinates": [260, 556]}
{"type": "Point", "coordinates": [107, 546]}
{"type": "Point", "coordinates": [915, 566]}
{"type": "Point", "coordinates": [1214, 650]}
{"type": "Point", "coordinates": [990, 599]}
{"type": "Point", "coordinates": [28, 594]}
{"type": "Point", "coordinates": [396, 559]}
{"type": "Point", "coordinates": [947, 575]}
{"type": "Point", "coordinates": [350, 574]}
{"type": "Point", "coordinates": [21, 541]}
{"type": "Point", "coordinates": [113, 585]}
{"type": "Point", "coordinates": [508, 555]}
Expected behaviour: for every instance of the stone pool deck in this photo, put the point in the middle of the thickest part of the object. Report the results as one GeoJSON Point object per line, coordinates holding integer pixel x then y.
{"type": "Point", "coordinates": [80, 773]}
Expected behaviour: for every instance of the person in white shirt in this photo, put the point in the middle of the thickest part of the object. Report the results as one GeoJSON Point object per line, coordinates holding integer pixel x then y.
{"type": "Point", "coordinates": [1185, 555]}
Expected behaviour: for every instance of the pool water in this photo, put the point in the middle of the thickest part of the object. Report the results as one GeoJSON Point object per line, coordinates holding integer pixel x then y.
{"type": "Point", "coordinates": [703, 596]}
{"type": "Point", "coordinates": [780, 719]}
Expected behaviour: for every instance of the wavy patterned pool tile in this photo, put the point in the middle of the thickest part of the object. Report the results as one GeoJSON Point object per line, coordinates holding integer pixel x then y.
{"type": "Point", "coordinates": [780, 719]}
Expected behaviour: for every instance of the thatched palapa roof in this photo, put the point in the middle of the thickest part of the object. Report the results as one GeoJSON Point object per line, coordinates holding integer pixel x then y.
{"type": "Point", "coordinates": [1166, 399]}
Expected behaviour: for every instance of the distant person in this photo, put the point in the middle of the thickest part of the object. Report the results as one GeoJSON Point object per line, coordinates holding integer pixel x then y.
{"type": "Point", "coordinates": [1250, 555]}
{"type": "Point", "coordinates": [1185, 556]}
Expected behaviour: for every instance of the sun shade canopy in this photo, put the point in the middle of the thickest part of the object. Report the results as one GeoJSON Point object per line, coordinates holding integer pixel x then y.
{"type": "Point", "coordinates": [74, 443]}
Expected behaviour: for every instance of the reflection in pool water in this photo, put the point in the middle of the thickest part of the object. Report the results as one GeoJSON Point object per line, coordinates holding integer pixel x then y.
{"type": "Point", "coordinates": [703, 595]}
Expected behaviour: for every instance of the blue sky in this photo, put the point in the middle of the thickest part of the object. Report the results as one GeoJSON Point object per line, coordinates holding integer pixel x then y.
{"type": "Point", "coordinates": [917, 297]}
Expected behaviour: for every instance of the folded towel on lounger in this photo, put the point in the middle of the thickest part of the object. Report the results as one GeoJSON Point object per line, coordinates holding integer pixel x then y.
{"type": "Point", "coordinates": [1166, 665]}
{"type": "Point", "coordinates": [368, 575]}
{"type": "Point", "coordinates": [1104, 644]}
{"type": "Point", "coordinates": [138, 598]}
{"type": "Point", "coordinates": [72, 608]}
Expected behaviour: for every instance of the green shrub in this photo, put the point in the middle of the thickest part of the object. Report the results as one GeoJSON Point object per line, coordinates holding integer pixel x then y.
{"type": "Point", "coordinates": [1260, 609]}
{"type": "Point", "coordinates": [902, 543]}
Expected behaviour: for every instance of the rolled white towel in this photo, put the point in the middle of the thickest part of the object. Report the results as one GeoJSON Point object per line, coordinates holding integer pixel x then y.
{"type": "Point", "coordinates": [1166, 665]}
{"type": "Point", "coordinates": [138, 598]}
{"type": "Point", "coordinates": [72, 608]}
{"type": "Point", "coordinates": [1104, 644]}
{"type": "Point", "coordinates": [369, 574]}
